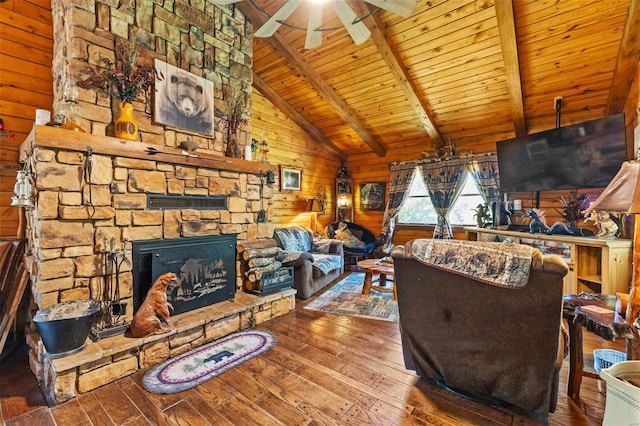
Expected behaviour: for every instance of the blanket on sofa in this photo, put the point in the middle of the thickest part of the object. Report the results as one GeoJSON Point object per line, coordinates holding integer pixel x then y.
{"type": "Point", "coordinates": [498, 264]}
{"type": "Point", "coordinates": [297, 242]}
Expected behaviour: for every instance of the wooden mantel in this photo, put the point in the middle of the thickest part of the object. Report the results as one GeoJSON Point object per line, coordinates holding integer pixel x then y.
{"type": "Point", "coordinates": [56, 138]}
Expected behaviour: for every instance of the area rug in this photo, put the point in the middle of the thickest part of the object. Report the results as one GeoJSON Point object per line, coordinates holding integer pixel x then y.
{"type": "Point", "coordinates": [199, 365]}
{"type": "Point", "coordinates": [346, 298]}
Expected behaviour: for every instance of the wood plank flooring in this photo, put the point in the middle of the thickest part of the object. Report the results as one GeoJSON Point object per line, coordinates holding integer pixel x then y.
{"type": "Point", "coordinates": [325, 370]}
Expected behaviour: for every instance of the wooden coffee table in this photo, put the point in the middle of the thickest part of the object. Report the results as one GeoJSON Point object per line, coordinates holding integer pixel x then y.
{"type": "Point", "coordinates": [373, 267]}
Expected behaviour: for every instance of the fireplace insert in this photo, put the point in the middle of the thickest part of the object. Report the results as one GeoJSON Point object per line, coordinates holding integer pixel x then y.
{"type": "Point", "coordinates": [205, 267]}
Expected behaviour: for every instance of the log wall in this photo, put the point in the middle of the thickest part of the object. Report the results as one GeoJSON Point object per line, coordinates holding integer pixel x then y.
{"type": "Point", "coordinates": [291, 147]}
{"type": "Point", "coordinates": [26, 49]}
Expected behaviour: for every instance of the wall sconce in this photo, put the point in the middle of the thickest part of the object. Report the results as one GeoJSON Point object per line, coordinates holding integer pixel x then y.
{"type": "Point", "coordinates": [344, 200]}
{"type": "Point", "coordinates": [23, 190]}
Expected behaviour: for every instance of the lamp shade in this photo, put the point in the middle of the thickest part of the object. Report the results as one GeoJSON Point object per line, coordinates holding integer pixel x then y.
{"type": "Point", "coordinates": [313, 205]}
{"type": "Point", "coordinates": [622, 195]}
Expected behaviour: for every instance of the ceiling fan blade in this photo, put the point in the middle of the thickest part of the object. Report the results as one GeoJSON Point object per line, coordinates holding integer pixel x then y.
{"type": "Point", "coordinates": [314, 36]}
{"type": "Point", "coordinates": [357, 30]}
{"type": "Point", "coordinates": [272, 25]}
{"type": "Point", "coordinates": [403, 8]}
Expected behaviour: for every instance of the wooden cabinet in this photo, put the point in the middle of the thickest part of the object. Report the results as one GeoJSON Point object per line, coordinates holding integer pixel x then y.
{"type": "Point", "coordinates": [595, 264]}
{"type": "Point", "coordinates": [344, 199]}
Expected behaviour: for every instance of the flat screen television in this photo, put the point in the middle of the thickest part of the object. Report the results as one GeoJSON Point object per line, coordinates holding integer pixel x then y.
{"type": "Point", "coordinates": [584, 155]}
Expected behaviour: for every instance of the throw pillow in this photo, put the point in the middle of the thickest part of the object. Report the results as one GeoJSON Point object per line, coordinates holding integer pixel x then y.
{"type": "Point", "coordinates": [347, 237]}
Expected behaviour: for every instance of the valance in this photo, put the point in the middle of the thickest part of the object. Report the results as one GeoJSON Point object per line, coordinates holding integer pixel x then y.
{"type": "Point", "coordinates": [458, 159]}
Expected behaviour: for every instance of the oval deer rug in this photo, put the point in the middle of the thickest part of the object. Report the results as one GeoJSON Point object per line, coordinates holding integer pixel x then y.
{"type": "Point", "coordinates": [201, 364]}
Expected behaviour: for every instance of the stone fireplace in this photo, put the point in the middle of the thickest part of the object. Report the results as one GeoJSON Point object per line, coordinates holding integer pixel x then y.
{"type": "Point", "coordinates": [79, 219]}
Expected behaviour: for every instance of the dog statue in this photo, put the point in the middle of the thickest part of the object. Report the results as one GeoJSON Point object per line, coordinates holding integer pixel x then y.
{"type": "Point", "coordinates": [147, 319]}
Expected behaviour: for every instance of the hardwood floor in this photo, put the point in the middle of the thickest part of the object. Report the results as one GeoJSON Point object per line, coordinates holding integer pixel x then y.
{"type": "Point", "coordinates": [324, 370]}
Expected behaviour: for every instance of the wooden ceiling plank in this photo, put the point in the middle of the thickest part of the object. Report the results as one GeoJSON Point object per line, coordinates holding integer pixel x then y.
{"type": "Point", "coordinates": [536, 12]}
{"type": "Point", "coordinates": [294, 115]}
{"type": "Point", "coordinates": [507, 30]}
{"type": "Point", "coordinates": [626, 64]}
{"type": "Point", "coordinates": [484, 51]}
{"type": "Point", "coordinates": [437, 23]}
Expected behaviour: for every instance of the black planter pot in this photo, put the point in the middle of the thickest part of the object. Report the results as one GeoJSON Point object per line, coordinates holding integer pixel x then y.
{"type": "Point", "coordinates": [64, 327]}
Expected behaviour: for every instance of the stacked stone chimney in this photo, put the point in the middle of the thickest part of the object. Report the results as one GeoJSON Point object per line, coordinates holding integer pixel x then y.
{"type": "Point", "coordinates": [210, 41]}
{"type": "Point", "coordinates": [93, 189]}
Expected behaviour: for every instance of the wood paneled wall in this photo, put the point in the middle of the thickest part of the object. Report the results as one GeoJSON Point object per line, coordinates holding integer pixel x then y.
{"type": "Point", "coordinates": [26, 46]}
{"type": "Point", "coordinates": [290, 146]}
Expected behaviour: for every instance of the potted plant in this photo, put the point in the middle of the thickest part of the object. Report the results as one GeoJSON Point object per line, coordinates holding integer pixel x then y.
{"type": "Point", "coordinates": [573, 209]}
{"type": "Point", "coordinates": [125, 80]}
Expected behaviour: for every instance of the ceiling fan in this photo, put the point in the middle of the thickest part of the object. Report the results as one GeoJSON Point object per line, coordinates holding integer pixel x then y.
{"type": "Point", "coordinates": [353, 24]}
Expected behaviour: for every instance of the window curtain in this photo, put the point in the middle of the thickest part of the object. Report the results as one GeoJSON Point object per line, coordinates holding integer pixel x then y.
{"type": "Point", "coordinates": [443, 182]}
{"type": "Point", "coordinates": [399, 184]}
{"type": "Point", "coordinates": [484, 170]}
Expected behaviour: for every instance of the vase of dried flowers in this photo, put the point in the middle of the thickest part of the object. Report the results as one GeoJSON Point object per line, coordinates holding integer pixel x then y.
{"type": "Point", "coordinates": [125, 124]}
{"type": "Point", "coordinates": [235, 118]}
{"type": "Point", "coordinates": [123, 79]}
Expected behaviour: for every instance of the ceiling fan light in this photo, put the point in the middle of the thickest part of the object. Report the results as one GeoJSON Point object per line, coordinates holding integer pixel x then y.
{"type": "Point", "coordinates": [403, 8]}
{"type": "Point", "coordinates": [356, 29]}
{"type": "Point", "coordinates": [314, 35]}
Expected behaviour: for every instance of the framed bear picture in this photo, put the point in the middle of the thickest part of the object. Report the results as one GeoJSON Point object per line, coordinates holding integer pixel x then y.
{"type": "Point", "coordinates": [183, 99]}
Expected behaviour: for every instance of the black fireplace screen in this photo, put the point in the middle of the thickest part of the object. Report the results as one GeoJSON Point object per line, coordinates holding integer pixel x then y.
{"type": "Point", "coordinates": [205, 267]}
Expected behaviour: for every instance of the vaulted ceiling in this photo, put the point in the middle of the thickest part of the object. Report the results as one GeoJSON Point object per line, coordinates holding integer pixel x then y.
{"type": "Point", "coordinates": [467, 72]}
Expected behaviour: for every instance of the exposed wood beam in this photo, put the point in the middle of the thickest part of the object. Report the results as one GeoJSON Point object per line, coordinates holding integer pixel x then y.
{"type": "Point", "coordinates": [324, 90]}
{"type": "Point", "coordinates": [400, 73]}
{"type": "Point", "coordinates": [507, 30]}
{"type": "Point", "coordinates": [294, 115]}
{"type": "Point", "coordinates": [628, 57]}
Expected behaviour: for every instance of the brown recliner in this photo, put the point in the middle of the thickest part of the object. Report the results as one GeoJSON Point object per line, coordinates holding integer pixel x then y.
{"type": "Point", "coordinates": [494, 344]}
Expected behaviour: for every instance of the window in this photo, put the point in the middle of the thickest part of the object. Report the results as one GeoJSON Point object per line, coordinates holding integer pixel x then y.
{"type": "Point", "coordinates": [418, 209]}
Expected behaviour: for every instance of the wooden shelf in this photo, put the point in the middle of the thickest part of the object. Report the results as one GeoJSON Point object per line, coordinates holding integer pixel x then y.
{"type": "Point", "coordinates": [56, 138]}
{"type": "Point", "coordinates": [597, 279]}
{"type": "Point", "coordinates": [598, 264]}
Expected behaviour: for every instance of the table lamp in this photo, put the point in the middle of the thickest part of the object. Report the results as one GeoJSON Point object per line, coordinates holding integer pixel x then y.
{"type": "Point", "coordinates": [313, 206]}
{"type": "Point", "coordinates": [622, 195]}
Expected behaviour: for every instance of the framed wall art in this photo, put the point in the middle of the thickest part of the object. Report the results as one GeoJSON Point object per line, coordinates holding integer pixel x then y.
{"type": "Point", "coordinates": [183, 99]}
{"type": "Point", "coordinates": [372, 195]}
{"type": "Point", "coordinates": [290, 179]}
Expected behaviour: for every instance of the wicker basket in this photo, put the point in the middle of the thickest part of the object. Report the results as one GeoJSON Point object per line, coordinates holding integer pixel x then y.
{"type": "Point", "coordinates": [605, 358]}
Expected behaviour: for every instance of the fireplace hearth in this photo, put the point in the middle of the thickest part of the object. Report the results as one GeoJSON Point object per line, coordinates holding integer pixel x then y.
{"type": "Point", "coordinates": [205, 267]}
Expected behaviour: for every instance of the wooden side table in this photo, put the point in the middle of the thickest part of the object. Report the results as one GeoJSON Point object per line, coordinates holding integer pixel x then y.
{"type": "Point", "coordinates": [384, 269]}
{"type": "Point", "coordinates": [601, 320]}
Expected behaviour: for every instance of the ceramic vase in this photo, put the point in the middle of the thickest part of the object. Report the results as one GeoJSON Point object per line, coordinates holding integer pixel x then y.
{"type": "Point", "coordinates": [125, 125]}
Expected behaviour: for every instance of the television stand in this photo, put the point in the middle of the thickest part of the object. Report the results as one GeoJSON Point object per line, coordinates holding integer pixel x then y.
{"type": "Point", "coordinates": [595, 264]}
